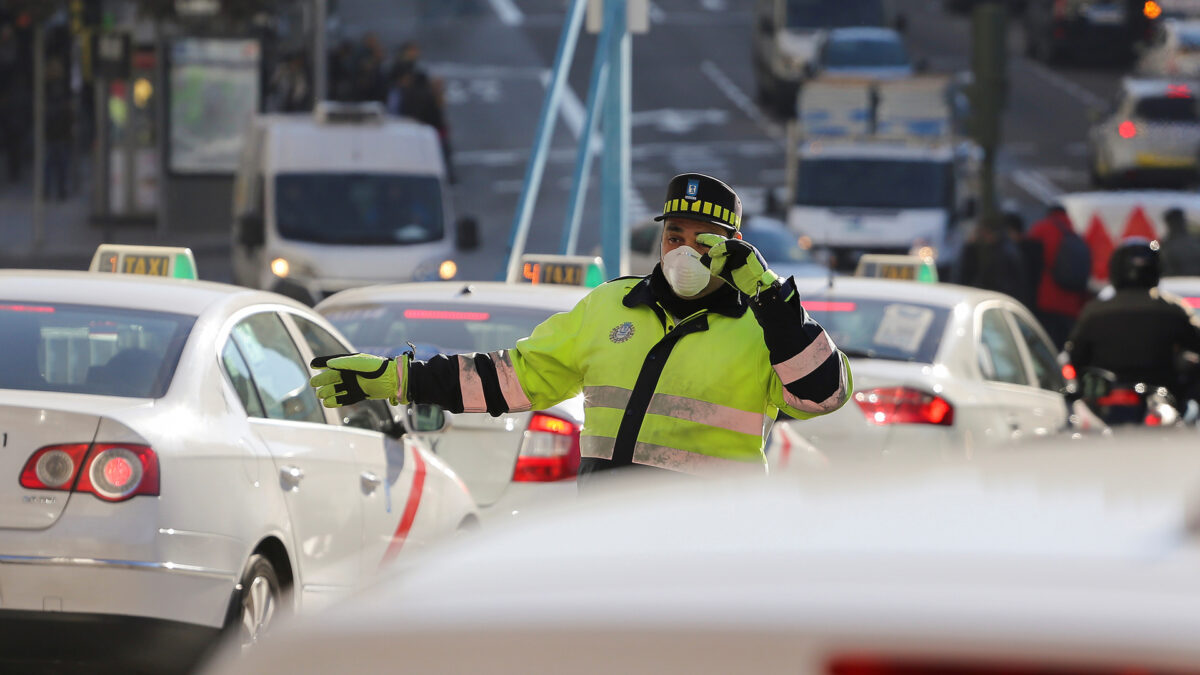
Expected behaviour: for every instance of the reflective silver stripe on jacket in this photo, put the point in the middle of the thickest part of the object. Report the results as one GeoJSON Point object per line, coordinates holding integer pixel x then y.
{"type": "Point", "coordinates": [663, 457]}
{"type": "Point", "coordinates": [828, 404]}
{"type": "Point", "coordinates": [681, 408]}
{"type": "Point", "coordinates": [510, 386]}
{"type": "Point", "coordinates": [807, 360]}
{"type": "Point", "coordinates": [470, 384]}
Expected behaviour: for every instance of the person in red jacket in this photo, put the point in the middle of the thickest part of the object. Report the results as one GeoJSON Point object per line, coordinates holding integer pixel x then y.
{"type": "Point", "coordinates": [1056, 307]}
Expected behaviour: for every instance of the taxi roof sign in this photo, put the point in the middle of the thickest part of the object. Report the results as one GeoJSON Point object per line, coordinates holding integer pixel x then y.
{"type": "Point", "coordinates": [903, 267]}
{"type": "Point", "coordinates": [573, 270]}
{"type": "Point", "coordinates": [160, 261]}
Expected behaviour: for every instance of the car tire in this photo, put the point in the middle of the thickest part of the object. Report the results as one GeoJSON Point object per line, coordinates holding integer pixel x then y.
{"type": "Point", "coordinates": [258, 603]}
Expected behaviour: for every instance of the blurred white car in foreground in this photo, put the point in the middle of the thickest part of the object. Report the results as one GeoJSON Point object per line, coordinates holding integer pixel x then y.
{"type": "Point", "coordinates": [170, 474]}
{"type": "Point", "coordinates": [509, 462]}
{"type": "Point", "coordinates": [1081, 561]}
{"type": "Point", "coordinates": [938, 369]}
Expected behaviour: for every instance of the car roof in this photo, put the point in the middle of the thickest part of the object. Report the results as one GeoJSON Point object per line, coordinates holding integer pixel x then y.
{"type": "Point", "coordinates": [159, 294]}
{"type": "Point", "coordinates": [557, 297]}
{"type": "Point", "coordinates": [943, 294]}
{"type": "Point", "coordinates": [1147, 87]}
{"type": "Point", "coordinates": [1089, 547]}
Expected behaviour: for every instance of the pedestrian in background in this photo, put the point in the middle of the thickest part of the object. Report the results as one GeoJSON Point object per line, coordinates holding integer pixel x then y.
{"type": "Point", "coordinates": [1180, 248]}
{"type": "Point", "coordinates": [1055, 306]}
{"type": "Point", "coordinates": [59, 131]}
{"type": "Point", "coordinates": [991, 260]}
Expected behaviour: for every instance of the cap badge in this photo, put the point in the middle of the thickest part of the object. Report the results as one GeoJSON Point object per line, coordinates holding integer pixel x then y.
{"type": "Point", "coordinates": [621, 333]}
{"type": "Point", "coordinates": [693, 189]}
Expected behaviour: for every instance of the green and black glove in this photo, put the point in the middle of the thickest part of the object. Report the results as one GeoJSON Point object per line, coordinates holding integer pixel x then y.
{"type": "Point", "coordinates": [346, 379]}
{"type": "Point", "coordinates": [738, 263]}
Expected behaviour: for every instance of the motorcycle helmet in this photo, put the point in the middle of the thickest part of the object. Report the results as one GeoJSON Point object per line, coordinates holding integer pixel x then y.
{"type": "Point", "coordinates": [1135, 264]}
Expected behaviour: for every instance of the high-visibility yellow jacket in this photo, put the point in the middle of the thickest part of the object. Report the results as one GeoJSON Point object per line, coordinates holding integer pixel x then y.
{"type": "Point", "coordinates": [697, 394]}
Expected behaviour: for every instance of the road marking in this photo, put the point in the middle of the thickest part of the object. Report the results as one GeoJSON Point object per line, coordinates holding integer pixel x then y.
{"type": "Point", "coordinates": [741, 100]}
{"type": "Point", "coordinates": [1038, 186]}
{"type": "Point", "coordinates": [508, 12]}
{"type": "Point", "coordinates": [1079, 93]}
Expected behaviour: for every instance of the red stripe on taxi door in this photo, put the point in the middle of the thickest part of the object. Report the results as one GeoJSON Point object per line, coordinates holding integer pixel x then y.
{"type": "Point", "coordinates": [410, 508]}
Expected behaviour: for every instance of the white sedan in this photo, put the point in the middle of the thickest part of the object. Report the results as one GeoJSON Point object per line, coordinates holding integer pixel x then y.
{"type": "Point", "coordinates": [938, 369]}
{"type": "Point", "coordinates": [172, 475]}
{"type": "Point", "coordinates": [1077, 560]}
{"type": "Point", "coordinates": [511, 462]}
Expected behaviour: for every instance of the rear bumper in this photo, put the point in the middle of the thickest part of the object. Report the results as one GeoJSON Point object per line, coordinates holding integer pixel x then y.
{"type": "Point", "coordinates": [151, 590]}
{"type": "Point", "coordinates": [68, 642]}
{"type": "Point", "coordinates": [520, 499]}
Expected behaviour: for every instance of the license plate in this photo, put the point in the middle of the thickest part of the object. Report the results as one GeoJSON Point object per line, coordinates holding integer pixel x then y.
{"type": "Point", "coordinates": [151, 265]}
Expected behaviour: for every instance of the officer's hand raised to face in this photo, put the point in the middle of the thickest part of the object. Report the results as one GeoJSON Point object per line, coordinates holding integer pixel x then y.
{"type": "Point", "coordinates": [349, 378]}
{"type": "Point", "coordinates": [738, 263]}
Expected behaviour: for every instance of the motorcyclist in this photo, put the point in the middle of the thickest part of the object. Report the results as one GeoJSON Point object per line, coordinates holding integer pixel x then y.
{"type": "Point", "coordinates": [1140, 333]}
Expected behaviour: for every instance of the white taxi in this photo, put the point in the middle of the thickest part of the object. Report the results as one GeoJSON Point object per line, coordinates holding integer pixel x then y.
{"type": "Point", "coordinates": [512, 462]}
{"type": "Point", "coordinates": [1150, 135]}
{"type": "Point", "coordinates": [173, 477]}
{"type": "Point", "coordinates": [939, 370]}
{"type": "Point", "coordinates": [1068, 561]}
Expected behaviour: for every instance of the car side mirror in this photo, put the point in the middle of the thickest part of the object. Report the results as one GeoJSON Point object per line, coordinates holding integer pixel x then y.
{"type": "Point", "coordinates": [251, 229]}
{"type": "Point", "coordinates": [425, 418]}
{"type": "Point", "coordinates": [466, 234]}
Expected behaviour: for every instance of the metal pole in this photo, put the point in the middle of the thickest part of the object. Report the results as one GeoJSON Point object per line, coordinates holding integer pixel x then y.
{"type": "Point", "coordinates": [537, 162]}
{"type": "Point", "coordinates": [615, 182]}
{"type": "Point", "coordinates": [39, 132]}
{"type": "Point", "coordinates": [320, 53]}
{"type": "Point", "coordinates": [583, 157]}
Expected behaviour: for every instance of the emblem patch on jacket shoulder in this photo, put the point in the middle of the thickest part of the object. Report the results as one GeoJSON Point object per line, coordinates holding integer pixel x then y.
{"type": "Point", "coordinates": [621, 333]}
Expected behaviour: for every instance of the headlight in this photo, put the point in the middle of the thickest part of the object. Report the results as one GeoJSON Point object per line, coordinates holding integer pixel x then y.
{"type": "Point", "coordinates": [447, 269]}
{"type": "Point", "coordinates": [280, 267]}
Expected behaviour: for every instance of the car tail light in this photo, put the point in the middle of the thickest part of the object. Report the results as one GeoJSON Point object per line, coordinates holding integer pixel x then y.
{"type": "Point", "coordinates": [1127, 129]}
{"type": "Point", "coordinates": [882, 665]}
{"type": "Point", "coordinates": [1068, 371]}
{"type": "Point", "coordinates": [904, 405]}
{"type": "Point", "coordinates": [549, 450]}
{"type": "Point", "coordinates": [54, 467]}
{"type": "Point", "coordinates": [112, 471]}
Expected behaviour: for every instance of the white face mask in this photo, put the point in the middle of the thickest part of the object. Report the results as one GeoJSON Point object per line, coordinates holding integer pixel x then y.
{"type": "Point", "coordinates": [684, 271]}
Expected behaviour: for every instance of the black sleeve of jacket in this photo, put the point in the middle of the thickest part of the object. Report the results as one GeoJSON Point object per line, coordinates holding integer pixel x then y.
{"type": "Point", "coordinates": [437, 381]}
{"type": "Point", "coordinates": [788, 330]}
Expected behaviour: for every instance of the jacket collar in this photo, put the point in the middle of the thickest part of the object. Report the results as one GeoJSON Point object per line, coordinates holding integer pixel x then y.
{"type": "Point", "coordinates": [653, 290]}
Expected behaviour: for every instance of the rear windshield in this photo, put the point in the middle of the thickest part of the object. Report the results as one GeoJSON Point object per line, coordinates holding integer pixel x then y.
{"type": "Point", "coordinates": [434, 327]}
{"type": "Point", "coordinates": [865, 53]}
{"type": "Point", "coordinates": [881, 329]}
{"type": "Point", "coordinates": [363, 208]}
{"type": "Point", "coordinates": [894, 184]}
{"type": "Point", "coordinates": [1167, 109]}
{"type": "Point", "coordinates": [84, 349]}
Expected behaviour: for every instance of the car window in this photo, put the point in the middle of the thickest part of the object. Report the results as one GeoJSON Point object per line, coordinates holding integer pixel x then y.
{"type": "Point", "coordinates": [239, 376]}
{"type": "Point", "coordinates": [999, 358]}
{"type": "Point", "coordinates": [434, 327]}
{"type": "Point", "coordinates": [86, 349]}
{"type": "Point", "coordinates": [880, 329]}
{"type": "Point", "coordinates": [371, 415]}
{"type": "Point", "coordinates": [1171, 108]}
{"type": "Point", "coordinates": [279, 374]}
{"type": "Point", "coordinates": [1045, 365]}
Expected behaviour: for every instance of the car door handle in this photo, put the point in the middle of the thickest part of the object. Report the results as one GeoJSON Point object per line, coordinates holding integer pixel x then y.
{"type": "Point", "coordinates": [369, 482]}
{"type": "Point", "coordinates": [290, 477]}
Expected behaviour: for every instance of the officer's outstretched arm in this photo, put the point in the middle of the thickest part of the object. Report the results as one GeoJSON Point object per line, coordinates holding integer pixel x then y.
{"type": "Point", "coordinates": [345, 379]}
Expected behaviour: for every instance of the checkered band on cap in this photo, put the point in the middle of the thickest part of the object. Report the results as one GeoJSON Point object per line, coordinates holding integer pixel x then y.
{"type": "Point", "coordinates": [700, 197]}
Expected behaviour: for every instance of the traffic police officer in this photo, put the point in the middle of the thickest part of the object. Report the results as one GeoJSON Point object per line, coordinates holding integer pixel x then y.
{"type": "Point", "coordinates": [684, 369]}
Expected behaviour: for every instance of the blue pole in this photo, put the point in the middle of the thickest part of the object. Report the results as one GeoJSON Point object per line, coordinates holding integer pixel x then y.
{"type": "Point", "coordinates": [537, 162]}
{"type": "Point", "coordinates": [615, 182]}
{"type": "Point", "coordinates": [583, 157]}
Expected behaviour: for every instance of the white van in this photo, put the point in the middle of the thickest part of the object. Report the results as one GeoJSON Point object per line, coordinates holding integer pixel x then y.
{"type": "Point", "coordinates": [346, 196]}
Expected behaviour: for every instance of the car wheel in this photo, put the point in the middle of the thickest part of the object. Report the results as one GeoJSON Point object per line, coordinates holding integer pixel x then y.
{"type": "Point", "coordinates": [259, 598]}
